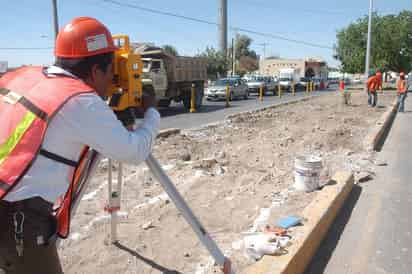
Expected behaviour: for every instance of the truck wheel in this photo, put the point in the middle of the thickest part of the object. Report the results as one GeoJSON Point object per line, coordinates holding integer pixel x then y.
{"type": "Point", "coordinates": [186, 102]}
{"type": "Point", "coordinates": [164, 103]}
{"type": "Point", "coordinates": [199, 96]}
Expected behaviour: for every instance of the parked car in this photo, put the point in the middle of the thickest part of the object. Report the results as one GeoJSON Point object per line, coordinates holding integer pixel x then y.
{"type": "Point", "coordinates": [303, 83]}
{"type": "Point", "coordinates": [217, 90]}
{"type": "Point", "coordinates": [271, 85]}
{"type": "Point", "coordinates": [254, 83]}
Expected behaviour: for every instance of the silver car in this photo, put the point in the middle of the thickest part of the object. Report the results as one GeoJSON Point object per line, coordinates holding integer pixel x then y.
{"type": "Point", "coordinates": [217, 91]}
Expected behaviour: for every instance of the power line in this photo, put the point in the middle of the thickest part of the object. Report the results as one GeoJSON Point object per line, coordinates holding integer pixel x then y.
{"type": "Point", "coordinates": [160, 12]}
{"type": "Point", "coordinates": [296, 9]}
{"type": "Point", "coordinates": [274, 36]}
{"type": "Point", "coordinates": [193, 19]}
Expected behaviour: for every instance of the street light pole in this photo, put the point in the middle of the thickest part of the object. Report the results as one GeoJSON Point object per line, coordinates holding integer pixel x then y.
{"type": "Point", "coordinates": [368, 46]}
{"type": "Point", "coordinates": [55, 18]}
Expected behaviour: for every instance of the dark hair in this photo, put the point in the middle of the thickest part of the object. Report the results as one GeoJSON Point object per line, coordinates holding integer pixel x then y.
{"type": "Point", "coordinates": [81, 67]}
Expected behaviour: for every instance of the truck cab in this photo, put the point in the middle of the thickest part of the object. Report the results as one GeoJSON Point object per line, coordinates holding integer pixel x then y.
{"type": "Point", "coordinates": [155, 74]}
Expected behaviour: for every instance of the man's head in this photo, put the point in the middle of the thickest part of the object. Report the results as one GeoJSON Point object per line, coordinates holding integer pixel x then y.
{"type": "Point", "coordinates": [402, 75]}
{"type": "Point", "coordinates": [85, 48]}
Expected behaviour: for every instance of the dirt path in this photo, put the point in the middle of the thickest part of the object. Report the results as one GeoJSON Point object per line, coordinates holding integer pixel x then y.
{"type": "Point", "coordinates": [231, 175]}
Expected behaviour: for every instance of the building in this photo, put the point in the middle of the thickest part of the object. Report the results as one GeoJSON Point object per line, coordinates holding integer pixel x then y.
{"type": "Point", "coordinates": [309, 67]}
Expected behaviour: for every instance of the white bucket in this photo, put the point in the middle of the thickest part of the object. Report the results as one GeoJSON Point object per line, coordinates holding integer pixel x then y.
{"type": "Point", "coordinates": [307, 173]}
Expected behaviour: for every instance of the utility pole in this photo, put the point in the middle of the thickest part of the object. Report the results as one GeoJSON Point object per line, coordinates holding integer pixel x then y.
{"type": "Point", "coordinates": [264, 49]}
{"type": "Point", "coordinates": [234, 43]}
{"type": "Point", "coordinates": [223, 27]}
{"type": "Point", "coordinates": [56, 20]}
{"type": "Point", "coordinates": [368, 47]}
{"type": "Point", "coordinates": [233, 56]}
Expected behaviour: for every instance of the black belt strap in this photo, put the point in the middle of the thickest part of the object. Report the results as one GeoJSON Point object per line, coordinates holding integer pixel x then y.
{"type": "Point", "coordinates": [33, 108]}
{"type": "Point", "coordinates": [28, 105]}
{"type": "Point", "coordinates": [58, 158]}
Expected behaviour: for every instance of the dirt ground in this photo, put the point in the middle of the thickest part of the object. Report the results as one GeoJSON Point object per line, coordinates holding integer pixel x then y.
{"type": "Point", "coordinates": [236, 176]}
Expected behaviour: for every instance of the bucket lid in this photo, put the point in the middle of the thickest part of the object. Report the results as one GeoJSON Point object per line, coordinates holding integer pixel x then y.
{"type": "Point", "coordinates": [308, 161]}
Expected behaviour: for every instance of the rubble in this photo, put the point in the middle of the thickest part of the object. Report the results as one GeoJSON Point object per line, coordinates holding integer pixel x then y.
{"type": "Point", "coordinates": [236, 169]}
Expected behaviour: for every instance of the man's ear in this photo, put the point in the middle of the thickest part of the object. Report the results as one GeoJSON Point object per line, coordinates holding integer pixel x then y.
{"type": "Point", "coordinates": [94, 71]}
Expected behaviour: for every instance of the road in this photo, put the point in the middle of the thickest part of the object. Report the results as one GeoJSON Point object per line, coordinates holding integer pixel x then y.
{"type": "Point", "coordinates": [373, 232]}
{"type": "Point", "coordinates": [177, 116]}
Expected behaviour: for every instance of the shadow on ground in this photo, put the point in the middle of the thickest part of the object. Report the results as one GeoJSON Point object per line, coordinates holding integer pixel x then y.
{"type": "Point", "coordinates": [329, 243]}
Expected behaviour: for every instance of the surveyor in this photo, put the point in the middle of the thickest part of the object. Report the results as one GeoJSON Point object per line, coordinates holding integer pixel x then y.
{"type": "Point", "coordinates": [373, 83]}
{"type": "Point", "coordinates": [402, 91]}
{"type": "Point", "coordinates": [49, 117]}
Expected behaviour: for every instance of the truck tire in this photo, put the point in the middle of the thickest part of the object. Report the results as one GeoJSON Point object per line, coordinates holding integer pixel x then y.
{"type": "Point", "coordinates": [164, 102]}
{"type": "Point", "coordinates": [199, 95]}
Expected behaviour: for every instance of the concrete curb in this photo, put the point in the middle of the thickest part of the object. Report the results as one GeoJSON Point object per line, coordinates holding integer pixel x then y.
{"type": "Point", "coordinates": [377, 132]}
{"type": "Point", "coordinates": [291, 102]}
{"type": "Point", "coordinates": [320, 214]}
{"type": "Point", "coordinates": [171, 131]}
{"type": "Point", "coordinates": [164, 133]}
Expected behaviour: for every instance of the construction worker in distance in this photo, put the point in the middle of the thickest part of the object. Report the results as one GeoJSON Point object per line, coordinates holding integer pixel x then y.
{"type": "Point", "coordinates": [373, 83]}
{"type": "Point", "coordinates": [402, 91]}
{"type": "Point", "coordinates": [345, 92]}
{"type": "Point", "coordinates": [49, 118]}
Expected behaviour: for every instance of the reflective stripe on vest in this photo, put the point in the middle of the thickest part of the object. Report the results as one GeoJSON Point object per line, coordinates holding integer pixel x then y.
{"type": "Point", "coordinates": [16, 136]}
{"type": "Point", "coordinates": [29, 99]}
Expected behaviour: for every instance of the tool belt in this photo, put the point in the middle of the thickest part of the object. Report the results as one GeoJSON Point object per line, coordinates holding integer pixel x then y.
{"type": "Point", "coordinates": [27, 224]}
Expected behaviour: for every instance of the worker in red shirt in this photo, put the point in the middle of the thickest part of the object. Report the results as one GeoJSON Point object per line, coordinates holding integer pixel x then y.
{"type": "Point", "coordinates": [373, 84]}
{"type": "Point", "coordinates": [345, 92]}
{"type": "Point", "coordinates": [402, 92]}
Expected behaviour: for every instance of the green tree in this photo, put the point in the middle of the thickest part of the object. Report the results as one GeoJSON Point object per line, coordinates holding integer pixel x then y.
{"type": "Point", "coordinates": [246, 58]}
{"type": "Point", "coordinates": [391, 43]}
{"type": "Point", "coordinates": [171, 50]}
{"type": "Point", "coordinates": [216, 62]}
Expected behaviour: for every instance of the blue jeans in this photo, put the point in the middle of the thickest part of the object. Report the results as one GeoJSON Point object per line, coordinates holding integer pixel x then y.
{"type": "Point", "coordinates": [401, 101]}
{"type": "Point", "coordinates": [372, 98]}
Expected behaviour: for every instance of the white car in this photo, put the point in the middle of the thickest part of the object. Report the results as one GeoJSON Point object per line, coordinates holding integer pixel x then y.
{"type": "Point", "coordinates": [217, 91]}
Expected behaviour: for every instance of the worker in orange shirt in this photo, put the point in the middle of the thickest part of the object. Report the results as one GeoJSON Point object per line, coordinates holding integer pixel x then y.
{"type": "Point", "coordinates": [373, 84]}
{"type": "Point", "coordinates": [402, 92]}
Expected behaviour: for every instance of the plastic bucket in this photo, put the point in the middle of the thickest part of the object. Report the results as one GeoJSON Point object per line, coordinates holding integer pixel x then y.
{"type": "Point", "coordinates": [307, 172]}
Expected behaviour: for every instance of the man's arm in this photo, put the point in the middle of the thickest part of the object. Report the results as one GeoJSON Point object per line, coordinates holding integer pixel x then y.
{"type": "Point", "coordinates": [94, 124]}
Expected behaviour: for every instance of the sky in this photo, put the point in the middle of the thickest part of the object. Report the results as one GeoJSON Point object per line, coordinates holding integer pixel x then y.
{"type": "Point", "coordinates": [28, 24]}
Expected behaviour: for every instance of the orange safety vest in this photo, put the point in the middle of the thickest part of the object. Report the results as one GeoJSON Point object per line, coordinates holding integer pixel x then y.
{"type": "Point", "coordinates": [373, 84]}
{"type": "Point", "coordinates": [401, 86]}
{"type": "Point", "coordinates": [29, 99]}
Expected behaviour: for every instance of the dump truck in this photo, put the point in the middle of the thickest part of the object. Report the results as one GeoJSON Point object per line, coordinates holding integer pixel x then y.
{"type": "Point", "coordinates": [171, 77]}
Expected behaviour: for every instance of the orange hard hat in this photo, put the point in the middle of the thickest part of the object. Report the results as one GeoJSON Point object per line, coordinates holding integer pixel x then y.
{"type": "Point", "coordinates": [82, 37]}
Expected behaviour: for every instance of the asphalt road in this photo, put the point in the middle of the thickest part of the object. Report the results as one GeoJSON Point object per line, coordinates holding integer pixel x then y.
{"type": "Point", "coordinates": [177, 116]}
{"type": "Point", "coordinates": [373, 232]}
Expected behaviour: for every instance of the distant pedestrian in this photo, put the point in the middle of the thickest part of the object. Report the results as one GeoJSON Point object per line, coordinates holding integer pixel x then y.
{"type": "Point", "coordinates": [402, 92]}
{"type": "Point", "coordinates": [345, 92]}
{"type": "Point", "coordinates": [373, 84]}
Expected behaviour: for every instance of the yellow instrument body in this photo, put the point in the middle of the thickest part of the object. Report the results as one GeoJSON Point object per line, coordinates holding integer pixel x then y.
{"type": "Point", "coordinates": [126, 90]}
